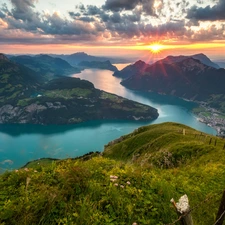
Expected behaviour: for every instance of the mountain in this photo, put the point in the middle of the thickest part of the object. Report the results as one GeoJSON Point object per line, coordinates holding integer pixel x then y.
{"type": "Point", "coordinates": [131, 70]}
{"type": "Point", "coordinates": [76, 58]}
{"type": "Point", "coordinates": [16, 81]}
{"type": "Point", "coordinates": [68, 101]}
{"type": "Point", "coordinates": [188, 78]}
{"type": "Point", "coordinates": [131, 182]}
{"type": "Point", "coordinates": [46, 65]}
{"type": "Point", "coordinates": [201, 57]}
{"type": "Point", "coordinates": [28, 98]}
{"type": "Point", "coordinates": [106, 65]}
{"type": "Point", "coordinates": [140, 66]}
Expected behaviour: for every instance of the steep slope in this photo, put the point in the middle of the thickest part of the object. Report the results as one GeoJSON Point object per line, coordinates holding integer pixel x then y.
{"type": "Point", "coordinates": [46, 65]}
{"type": "Point", "coordinates": [71, 100]}
{"type": "Point", "coordinates": [16, 81]}
{"type": "Point", "coordinates": [165, 145]}
{"type": "Point", "coordinates": [201, 57]}
{"type": "Point", "coordinates": [133, 182]}
{"type": "Point", "coordinates": [188, 78]}
{"type": "Point", "coordinates": [140, 66]}
{"type": "Point", "coordinates": [131, 70]}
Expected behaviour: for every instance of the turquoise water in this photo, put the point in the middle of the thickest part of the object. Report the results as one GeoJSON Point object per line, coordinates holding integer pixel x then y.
{"type": "Point", "coordinates": [22, 143]}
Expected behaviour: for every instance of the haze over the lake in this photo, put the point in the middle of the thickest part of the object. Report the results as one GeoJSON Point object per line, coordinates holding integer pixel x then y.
{"type": "Point", "coordinates": [114, 27]}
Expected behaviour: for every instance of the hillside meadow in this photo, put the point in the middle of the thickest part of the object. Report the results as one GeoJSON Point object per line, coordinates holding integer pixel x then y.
{"type": "Point", "coordinates": [132, 181]}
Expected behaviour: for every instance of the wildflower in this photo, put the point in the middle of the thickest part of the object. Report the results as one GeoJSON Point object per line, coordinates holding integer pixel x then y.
{"type": "Point", "coordinates": [35, 171]}
{"type": "Point", "coordinates": [128, 182]}
{"type": "Point", "coordinates": [16, 171]}
{"type": "Point", "coordinates": [26, 169]}
{"type": "Point", "coordinates": [121, 186]}
{"type": "Point", "coordinates": [116, 184]}
{"type": "Point", "coordinates": [113, 177]}
{"type": "Point", "coordinates": [134, 223]}
{"type": "Point", "coordinates": [113, 180]}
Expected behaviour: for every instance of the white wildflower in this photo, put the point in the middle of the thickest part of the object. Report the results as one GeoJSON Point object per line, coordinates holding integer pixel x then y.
{"type": "Point", "coordinates": [113, 180]}
{"type": "Point", "coordinates": [113, 177]}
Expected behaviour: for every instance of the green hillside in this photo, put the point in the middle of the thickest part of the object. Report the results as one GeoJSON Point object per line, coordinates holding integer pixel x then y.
{"type": "Point", "coordinates": [46, 65]}
{"type": "Point", "coordinates": [152, 165]}
{"type": "Point", "coordinates": [16, 81]}
{"type": "Point", "coordinates": [27, 97]}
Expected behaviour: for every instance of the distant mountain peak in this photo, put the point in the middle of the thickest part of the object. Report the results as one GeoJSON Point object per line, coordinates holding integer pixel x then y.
{"type": "Point", "coordinates": [80, 54]}
{"type": "Point", "coordinates": [139, 62]}
{"type": "Point", "coordinates": [3, 57]}
{"type": "Point", "coordinates": [141, 65]}
{"type": "Point", "coordinates": [200, 56]}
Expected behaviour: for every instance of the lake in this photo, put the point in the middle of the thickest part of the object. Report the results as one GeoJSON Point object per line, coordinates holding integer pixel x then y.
{"type": "Point", "coordinates": [22, 143]}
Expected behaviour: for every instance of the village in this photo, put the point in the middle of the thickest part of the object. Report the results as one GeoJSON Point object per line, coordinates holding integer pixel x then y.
{"type": "Point", "coordinates": [213, 118]}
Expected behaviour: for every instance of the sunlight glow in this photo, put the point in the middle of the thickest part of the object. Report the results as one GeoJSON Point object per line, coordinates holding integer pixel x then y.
{"type": "Point", "coordinates": [156, 47]}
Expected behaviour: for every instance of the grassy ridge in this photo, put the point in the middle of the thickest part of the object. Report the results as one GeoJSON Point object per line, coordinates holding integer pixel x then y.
{"type": "Point", "coordinates": [152, 165]}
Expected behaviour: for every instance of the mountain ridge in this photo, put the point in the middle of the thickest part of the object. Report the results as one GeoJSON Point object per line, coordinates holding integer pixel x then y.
{"type": "Point", "coordinates": [136, 175]}
{"type": "Point", "coordinates": [65, 100]}
{"type": "Point", "coordinates": [188, 78]}
{"type": "Point", "coordinates": [47, 65]}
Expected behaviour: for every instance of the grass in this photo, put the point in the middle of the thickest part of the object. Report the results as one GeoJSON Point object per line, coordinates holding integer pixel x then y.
{"type": "Point", "coordinates": [68, 93]}
{"type": "Point", "coordinates": [23, 102]}
{"type": "Point", "coordinates": [112, 97]}
{"type": "Point", "coordinates": [152, 165]}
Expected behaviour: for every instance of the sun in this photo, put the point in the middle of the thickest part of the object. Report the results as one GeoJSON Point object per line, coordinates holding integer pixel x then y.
{"type": "Point", "coordinates": [155, 48]}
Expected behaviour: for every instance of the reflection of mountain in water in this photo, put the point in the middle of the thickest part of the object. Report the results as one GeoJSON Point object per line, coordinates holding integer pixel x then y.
{"type": "Point", "coordinates": [20, 129]}
{"type": "Point", "coordinates": [164, 99]}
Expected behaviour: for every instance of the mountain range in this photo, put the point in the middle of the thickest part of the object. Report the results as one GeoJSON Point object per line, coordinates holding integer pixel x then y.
{"type": "Point", "coordinates": [46, 65]}
{"type": "Point", "coordinates": [78, 57]}
{"type": "Point", "coordinates": [182, 76]}
{"type": "Point", "coordinates": [27, 97]}
{"type": "Point", "coordinates": [140, 66]}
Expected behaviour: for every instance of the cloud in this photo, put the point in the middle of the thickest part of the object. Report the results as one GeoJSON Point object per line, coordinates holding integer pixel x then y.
{"type": "Point", "coordinates": [116, 22]}
{"type": "Point", "coordinates": [217, 12]}
{"type": "Point", "coordinates": [147, 6]}
{"type": "Point", "coordinates": [118, 5]}
{"type": "Point", "coordinates": [23, 10]}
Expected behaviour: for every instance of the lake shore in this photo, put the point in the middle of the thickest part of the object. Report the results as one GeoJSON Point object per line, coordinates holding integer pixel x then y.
{"type": "Point", "coordinates": [211, 117]}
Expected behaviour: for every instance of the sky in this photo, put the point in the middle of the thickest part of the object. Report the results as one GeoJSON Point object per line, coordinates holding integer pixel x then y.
{"type": "Point", "coordinates": [113, 27]}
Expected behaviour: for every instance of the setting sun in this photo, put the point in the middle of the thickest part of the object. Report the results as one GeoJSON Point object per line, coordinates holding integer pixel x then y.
{"type": "Point", "coordinates": [155, 48]}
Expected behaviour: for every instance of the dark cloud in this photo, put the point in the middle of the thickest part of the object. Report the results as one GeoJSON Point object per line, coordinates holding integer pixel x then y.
{"type": "Point", "coordinates": [118, 5]}
{"type": "Point", "coordinates": [74, 15]}
{"type": "Point", "coordinates": [93, 10]}
{"type": "Point", "coordinates": [2, 15]}
{"type": "Point", "coordinates": [217, 12]}
{"type": "Point", "coordinates": [87, 19]}
{"type": "Point", "coordinates": [23, 9]}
